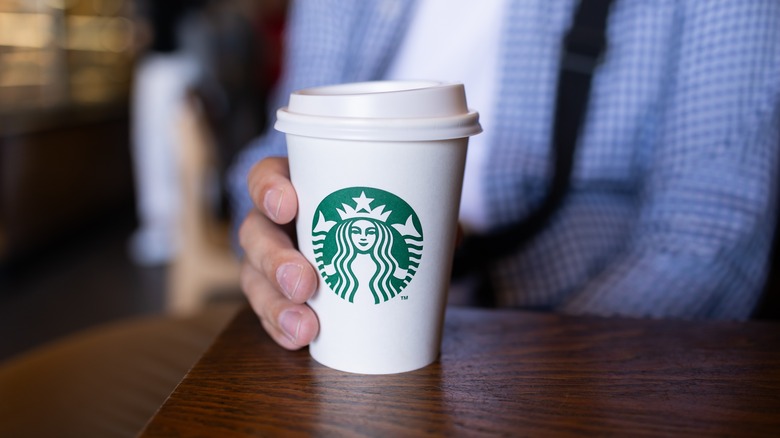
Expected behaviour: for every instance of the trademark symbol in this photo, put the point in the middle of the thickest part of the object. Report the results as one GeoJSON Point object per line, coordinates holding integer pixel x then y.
{"type": "Point", "coordinates": [404, 297]}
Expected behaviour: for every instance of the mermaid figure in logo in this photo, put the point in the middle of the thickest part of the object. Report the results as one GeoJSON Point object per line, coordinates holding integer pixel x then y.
{"type": "Point", "coordinates": [360, 253]}
{"type": "Point", "coordinates": [366, 237]}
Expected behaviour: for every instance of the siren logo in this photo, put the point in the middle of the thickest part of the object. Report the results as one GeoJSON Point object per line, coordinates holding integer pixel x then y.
{"type": "Point", "coordinates": [367, 244]}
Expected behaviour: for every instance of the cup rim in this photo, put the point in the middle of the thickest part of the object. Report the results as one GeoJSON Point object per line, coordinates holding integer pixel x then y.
{"type": "Point", "coordinates": [344, 128]}
{"type": "Point", "coordinates": [406, 110]}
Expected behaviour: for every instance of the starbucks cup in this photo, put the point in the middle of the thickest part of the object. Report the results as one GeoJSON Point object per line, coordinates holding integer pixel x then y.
{"type": "Point", "coordinates": [378, 169]}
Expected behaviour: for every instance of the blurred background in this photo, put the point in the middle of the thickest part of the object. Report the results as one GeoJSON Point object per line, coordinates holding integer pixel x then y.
{"type": "Point", "coordinates": [118, 119]}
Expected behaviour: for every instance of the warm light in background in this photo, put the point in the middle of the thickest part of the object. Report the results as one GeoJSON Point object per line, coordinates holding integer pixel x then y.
{"type": "Point", "coordinates": [58, 52]}
{"type": "Point", "coordinates": [26, 30]}
{"type": "Point", "coordinates": [84, 32]}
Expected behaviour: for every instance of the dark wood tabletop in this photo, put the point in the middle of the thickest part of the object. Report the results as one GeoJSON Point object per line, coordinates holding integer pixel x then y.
{"type": "Point", "coordinates": [500, 373]}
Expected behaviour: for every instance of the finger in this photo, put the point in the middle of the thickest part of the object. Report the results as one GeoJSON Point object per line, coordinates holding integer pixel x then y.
{"type": "Point", "coordinates": [289, 324]}
{"type": "Point", "coordinates": [271, 190]}
{"type": "Point", "coordinates": [270, 251]}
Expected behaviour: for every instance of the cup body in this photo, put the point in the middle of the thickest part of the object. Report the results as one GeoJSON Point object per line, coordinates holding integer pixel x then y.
{"type": "Point", "coordinates": [377, 219]}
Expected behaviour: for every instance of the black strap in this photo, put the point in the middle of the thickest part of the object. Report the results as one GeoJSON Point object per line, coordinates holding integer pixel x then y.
{"type": "Point", "coordinates": [581, 52]}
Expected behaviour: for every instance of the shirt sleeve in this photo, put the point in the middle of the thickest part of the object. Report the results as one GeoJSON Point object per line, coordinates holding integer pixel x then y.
{"type": "Point", "coordinates": [708, 205]}
{"type": "Point", "coordinates": [316, 38]}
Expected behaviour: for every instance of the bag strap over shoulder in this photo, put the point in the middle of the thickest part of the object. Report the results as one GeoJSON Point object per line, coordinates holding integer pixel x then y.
{"type": "Point", "coordinates": [582, 50]}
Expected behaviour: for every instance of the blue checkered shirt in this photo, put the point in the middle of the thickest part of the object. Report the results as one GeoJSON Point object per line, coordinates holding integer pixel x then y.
{"type": "Point", "coordinates": [673, 200]}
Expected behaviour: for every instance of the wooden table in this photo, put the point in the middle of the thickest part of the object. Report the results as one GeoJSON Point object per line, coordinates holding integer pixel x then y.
{"type": "Point", "coordinates": [500, 373]}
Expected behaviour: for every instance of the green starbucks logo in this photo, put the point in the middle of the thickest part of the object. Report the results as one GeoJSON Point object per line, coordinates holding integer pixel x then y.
{"type": "Point", "coordinates": [367, 243]}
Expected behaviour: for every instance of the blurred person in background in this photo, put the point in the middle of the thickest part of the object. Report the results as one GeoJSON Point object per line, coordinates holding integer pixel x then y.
{"type": "Point", "coordinates": [109, 380]}
{"type": "Point", "coordinates": [166, 70]}
{"type": "Point", "coordinates": [224, 53]}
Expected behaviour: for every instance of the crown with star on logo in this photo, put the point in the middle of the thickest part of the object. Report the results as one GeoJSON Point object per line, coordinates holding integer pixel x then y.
{"type": "Point", "coordinates": [363, 209]}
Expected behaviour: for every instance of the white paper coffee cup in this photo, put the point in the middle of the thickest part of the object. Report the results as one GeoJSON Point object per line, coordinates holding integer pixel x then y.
{"type": "Point", "coordinates": [378, 169]}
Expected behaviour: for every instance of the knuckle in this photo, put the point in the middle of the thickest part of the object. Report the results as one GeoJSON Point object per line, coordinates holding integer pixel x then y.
{"type": "Point", "coordinates": [244, 232]}
{"type": "Point", "coordinates": [245, 278]}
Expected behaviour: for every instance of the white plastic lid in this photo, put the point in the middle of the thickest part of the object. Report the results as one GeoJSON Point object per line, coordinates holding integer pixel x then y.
{"type": "Point", "coordinates": [380, 110]}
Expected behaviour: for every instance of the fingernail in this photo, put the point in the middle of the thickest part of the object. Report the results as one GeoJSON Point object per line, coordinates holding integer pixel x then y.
{"type": "Point", "coordinates": [273, 202]}
{"type": "Point", "coordinates": [290, 322]}
{"type": "Point", "coordinates": [289, 277]}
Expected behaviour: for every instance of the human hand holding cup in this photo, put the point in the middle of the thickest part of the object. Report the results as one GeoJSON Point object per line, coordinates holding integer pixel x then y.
{"type": "Point", "coordinates": [377, 168]}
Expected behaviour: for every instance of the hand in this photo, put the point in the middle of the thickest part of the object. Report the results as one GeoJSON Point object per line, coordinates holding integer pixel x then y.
{"type": "Point", "coordinates": [276, 278]}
